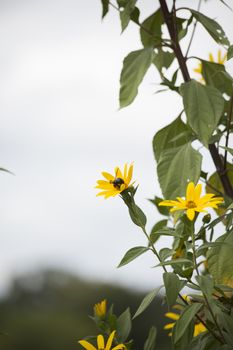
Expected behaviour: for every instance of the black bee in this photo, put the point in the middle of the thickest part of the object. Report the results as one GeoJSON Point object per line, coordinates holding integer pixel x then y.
{"type": "Point", "coordinates": [117, 182]}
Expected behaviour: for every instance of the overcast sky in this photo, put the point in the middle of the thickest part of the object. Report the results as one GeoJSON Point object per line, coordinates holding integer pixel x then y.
{"type": "Point", "coordinates": [60, 127]}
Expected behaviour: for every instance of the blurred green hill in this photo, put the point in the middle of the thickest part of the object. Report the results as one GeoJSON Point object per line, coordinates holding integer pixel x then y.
{"type": "Point", "coordinates": [49, 310]}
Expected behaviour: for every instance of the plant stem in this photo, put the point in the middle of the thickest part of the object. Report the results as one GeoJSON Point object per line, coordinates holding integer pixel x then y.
{"type": "Point", "coordinates": [193, 32]}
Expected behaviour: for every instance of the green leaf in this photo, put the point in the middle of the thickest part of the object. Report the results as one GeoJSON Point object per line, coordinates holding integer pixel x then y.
{"type": "Point", "coordinates": [178, 261]}
{"type": "Point", "coordinates": [163, 59]}
{"type": "Point", "coordinates": [125, 15]}
{"type": "Point", "coordinates": [176, 167]}
{"type": "Point", "coordinates": [230, 52]}
{"type": "Point", "coordinates": [184, 342]}
{"type": "Point", "coordinates": [166, 231]}
{"type": "Point", "coordinates": [212, 27]}
{"type": "Point", "coordinates": [186, 317]}
{"type": "Point", "coordinates": [137, 215]}
{"type": "Point", "coordinates": [150, 342]}
{"type": "Point", "coordinates": [206, 284]}
{"type": "Point", "coordinates": [158, 226]}
{"type": "Point", "coordinates": [165, 253]}
{"type": "Point", "coordinates": [135, 66]}
{"type": "Point", "coordinates": [123, 326]}
{"type": "Point", "coordinates": [172, 136]}
{"type": "Point", "coordinates": [147, 301]}
{"type": "Point", "coordinates": [150, 30]}
{"type": "Point", "coordinates": [161, 210]}
{"type": "Point", "coordinates": [105, 7]}
{"type": "Point", "coordinates": [132, 254]}
{"type": "Point", "coordinates": [6, 171]}
{"type": "Point", "coordinates": [215, 75]}
{"type": "Point", "coordinates": [220, 260]}
{"type": "Point", "coordinates": [203, 106]}
{"type": "Point", "coordinates": [173, 286]}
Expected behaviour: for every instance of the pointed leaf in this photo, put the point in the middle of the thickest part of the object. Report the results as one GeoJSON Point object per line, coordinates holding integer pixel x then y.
{"type": "Point", "coordinates": [124, 325]}
{"type": "Point", "coordinates": [132, 254]}
{"type": "Point", "coordinates": [173, 286]}
{"type": "Point", "coordinates": [212, 27]}
{"type": "Point", "coordinates": [173, 135]}
{"type": "Point", "coordinates": [150, 342]}
{"type": "Point", "coordinates": [176, 167]}
{"type": "Point", "coordinates": [186, 317]}
{"type": "Point", "coordinates": [135, 66]}
{"type": "Point", "coordinates": [125, 15]}
{"type": "Point", "coordinates": [220, 260]}
{"type": "Point", "coordinates": [147, 301]}
{"type": "Point", "coordinates": [215, 75]}
{"type": "Point", "coordinates": [230, 52]}
{"type": "Point", "coordinates": [203, 106]}
{"type": "Point", "coordinates": [105, 7]}
{"type": "Point", "coordinates": [151, 29]}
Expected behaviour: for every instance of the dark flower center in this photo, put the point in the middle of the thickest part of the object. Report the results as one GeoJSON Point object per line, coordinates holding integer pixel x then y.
{"type": "Point", "coordinates": [117, 182]}
{"type": "Point", "coordinates": [191, 204]}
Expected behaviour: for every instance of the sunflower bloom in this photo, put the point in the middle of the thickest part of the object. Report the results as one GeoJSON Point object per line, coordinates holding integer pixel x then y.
{"type": "Point", "coordinates": [101, 343]}
{"type": "Point", "coordinates": [100, 308]}
{"type": "Point", "coordinates": [113, 185]}
{"type": "Point", "coordinates": [221, 59]}
{"type": "Point", "coordinates": [193, 201]}
{"type": "Point", "coordinates": [198, 327]}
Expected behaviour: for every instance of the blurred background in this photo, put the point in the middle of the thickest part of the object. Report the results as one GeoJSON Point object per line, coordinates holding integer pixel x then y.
{"type": "Point", "coordinates": [60, 127]}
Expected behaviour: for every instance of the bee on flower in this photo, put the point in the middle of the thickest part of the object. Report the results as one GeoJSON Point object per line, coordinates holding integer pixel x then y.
{"type": "Point", "coordinates": [101, 345]}
{"type": "Point", "coordinates": [113, 185]}
{"type": "Point", "coordinates": [193, 202]}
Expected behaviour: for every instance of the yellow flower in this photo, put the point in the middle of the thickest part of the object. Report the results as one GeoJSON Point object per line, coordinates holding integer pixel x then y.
{"type": "Point", "coordinates": [100, 308]}
{"type": "Point", "coordinates": [193, 201]}
{"type": "Point", "coordinates": [198, 327]}
{"type": "Point", "coordinates": [117, 183]}
{"type": "Point", "coordinates": [221, 59]}
{"type": "Point", "coordinates": [101, 344]}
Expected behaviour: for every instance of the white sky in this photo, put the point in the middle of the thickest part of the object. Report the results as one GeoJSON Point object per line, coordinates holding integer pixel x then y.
{"type": "Point", "coordinates": [60, 127]}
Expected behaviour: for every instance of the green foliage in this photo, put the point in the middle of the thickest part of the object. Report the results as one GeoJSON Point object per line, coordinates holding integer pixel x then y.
{"type": "Point", "coordinates": [105, 7]}
{"type": "Point", "coordinates": [212, 27]}
{"type": "Point", "coordinates": [220, 260]}
{"type": "Point", "coordinates": [151, 31]}
{"type": "Point", "coordinates": [173, 285]}
{"type": "Point", "coordinates": [185, 319]}
{"type": "Point", "coordinates": [150, 342]}
{"type": "Point", "coordinates": [215, 75]}
{"type": "Point", "coordinates": [230, 52]}
{"type": "Point", "coordinates": [203, 107]}
{"type": "Point", "coordinates": [125, 15]}
{"type": "Point", "coordinates": [123, 326]}
{"type": "Point", "coordinates": [146, 301]}
{"type": "Point", "coordinates": [176, 167]}
{"type": "Point", "coordinates": [135, 66]}
{"type": "Point", "coordinates": [132, 254]}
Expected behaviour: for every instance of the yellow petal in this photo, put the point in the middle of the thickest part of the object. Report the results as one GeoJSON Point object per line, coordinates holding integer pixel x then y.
{"type": "Point", "coordinates": [130, 174]}
{"type": "Point", "coordinates": [190, 192]}
{"type": "Point", "coordinates": [108, 176]}
{"type": "Point", "coordinates": [211, 58]}
{"type": "Point", "coordinates": [119, 347]}
{"type": "Point", "coordinates": [125, 171]}
{"type": "Point", "coordinates": [100, 342]}
{"type": "Point", "coordinates": [110, 339]}
{"type": "Point", "coordinates": [87, 345]}
{"type": "Point", "coordinates": [197, 192]}
{"type": "Point", "coordinates": [172, 315]}
{"type": "Point", "coordinates": [169, 325]}
{"type": "Point", "coordinates": [168, 203]}
{"type": "Point", "coordinates": [190, 214]}
{"type": "Point", "coordinates": [118, 172]}
{"type": "Point", "coordinates": [102, 193]}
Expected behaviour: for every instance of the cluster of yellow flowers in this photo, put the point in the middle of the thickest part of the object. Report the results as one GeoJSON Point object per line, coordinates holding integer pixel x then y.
{"type": "Point", "coordinates": [121, 180]}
